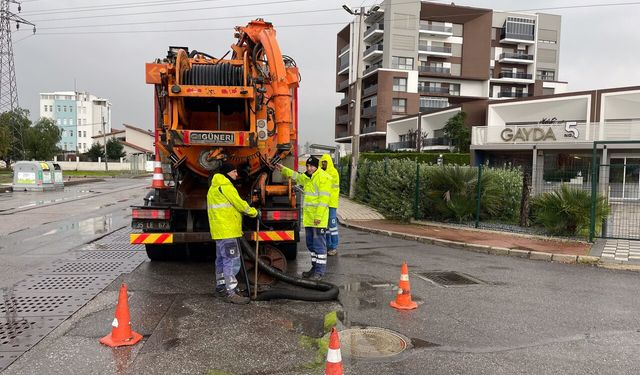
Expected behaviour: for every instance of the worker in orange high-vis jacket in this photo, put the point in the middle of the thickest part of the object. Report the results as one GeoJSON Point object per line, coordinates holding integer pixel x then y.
{"type": "Point", "coordinates": [332, 233]}
{"type": "Point", "coordinates": [316, 187]}
{"type": "Point", "coordinates": [225, 209]}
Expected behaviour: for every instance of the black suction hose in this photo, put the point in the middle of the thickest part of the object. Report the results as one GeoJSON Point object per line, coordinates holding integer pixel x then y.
{"type": "Point", "coordinates": [321, 290]}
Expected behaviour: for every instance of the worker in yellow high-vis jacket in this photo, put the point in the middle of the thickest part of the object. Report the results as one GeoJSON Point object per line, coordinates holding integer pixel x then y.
{"type": "Point", "coordinates": [316, 187]}
{"type": "Point", "coordinates": [332, 233]}
{"type": "Point", "coordinates": [225, 209]}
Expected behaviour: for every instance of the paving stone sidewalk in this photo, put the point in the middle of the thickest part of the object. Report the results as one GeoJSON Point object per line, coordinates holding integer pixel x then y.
{"type": "Point", "coordinates": [608, 251]}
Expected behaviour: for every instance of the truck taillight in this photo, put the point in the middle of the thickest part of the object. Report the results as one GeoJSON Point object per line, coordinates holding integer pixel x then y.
{"type": "Point", "coordinates": [279, 215]}
{"type": "Point", "coordinates": [151, 214]}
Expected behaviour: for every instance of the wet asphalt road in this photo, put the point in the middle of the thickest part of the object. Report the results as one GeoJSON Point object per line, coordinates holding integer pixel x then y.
{"type": "Point", "coordinates": [527, 317]}
{"type": "Point", "coordinates": [38, 227]}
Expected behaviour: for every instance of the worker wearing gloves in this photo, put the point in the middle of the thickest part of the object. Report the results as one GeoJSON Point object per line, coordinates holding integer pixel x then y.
{"type": "Point", "coordinates": [225, 209]}
{"type": "Point", "coordinates": [316, 186]}
{"type": "Point", "coordinates": [332, 234]}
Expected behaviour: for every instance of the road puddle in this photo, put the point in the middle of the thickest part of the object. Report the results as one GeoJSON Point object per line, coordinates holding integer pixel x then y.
{"type": "Point", "coordinates": [87, 227]}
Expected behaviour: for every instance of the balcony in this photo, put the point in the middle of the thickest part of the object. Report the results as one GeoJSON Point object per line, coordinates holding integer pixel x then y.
{"type": "Point", "coordinates": [371, 69]}
{"type": "Point", "coordinates": [344, 101]}
{"type": "Point", "coordinates": [515, 58]}
{"type": "Point", "coordinates": [370, 112]}
{"type": "Point", "coordinates": [343, 68]}
{"type": "Point", "coordinates": [509, 94]}
{"type": "Point", "coordinates": [375, 31]}
{"type": "Point", "coordinates": [434, 69]}
{"type": "Point", "coordinates": [515, 75]}
{"type": "Point", "coordinates": [434, 107]}
{"type": "Point", "coordinates": [370, 90]}
{"type": "Point", "coordinates": [343, 85]}
{"type": "Point", "coordinates": [434, 90]}
{"type": "Point", "coordinates": [343, 49]}
{"type": "Point", "coordinates": [442, 51]}
{"type": "Point", "coordinates": [368, 129]}
{"type": "Point", "coordinates": [402, 145]}
{"type": "Point", "coordinates": [372, 52]}
{"type": "Point", "coordinates": [342, 134]}
{"type": "Point", "coordinates": [438, 30]}
{"type": "Point", "coordinates": [437, 141]}
{"type": "Point", "coordinates": [515, 38]}
{"type": "Point", "coordinates": [342, 119]}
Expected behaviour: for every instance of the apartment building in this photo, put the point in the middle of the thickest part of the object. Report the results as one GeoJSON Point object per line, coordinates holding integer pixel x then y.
{"type": "Point", "coordinates": [420, 57]}
{"type": "Point", "coordinates": [80, 116]}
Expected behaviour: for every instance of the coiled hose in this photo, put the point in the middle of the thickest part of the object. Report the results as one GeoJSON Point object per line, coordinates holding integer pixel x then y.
{"type": "Point", "coordinates": [223, 74]}
{"type": "Point", "coordinates": [314, 290]}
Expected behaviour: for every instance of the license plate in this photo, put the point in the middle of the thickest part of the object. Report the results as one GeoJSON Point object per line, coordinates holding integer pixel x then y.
{"type": "Point", "coordinates": [161, 225]}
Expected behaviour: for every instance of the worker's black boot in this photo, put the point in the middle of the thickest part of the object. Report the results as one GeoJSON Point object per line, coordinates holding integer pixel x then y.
{"type": "Point", "coordinates": [308, 274]}
{"type": "Point", "coordinates": [236, 299]}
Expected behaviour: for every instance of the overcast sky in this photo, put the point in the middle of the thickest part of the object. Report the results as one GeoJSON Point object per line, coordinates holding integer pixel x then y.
{"type": "Point", "coordinates": [598, 47]}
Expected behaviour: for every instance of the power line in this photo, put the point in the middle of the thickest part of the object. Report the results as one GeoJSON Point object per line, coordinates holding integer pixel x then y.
{"type": "Point", "coordinates": [180, 30]}
{"type": "Point", "coordinates": [113, 6]}
{"type": "Point", "coordinates": [192, 19]}
{"type": "Point", "coordinates": [174, 10]}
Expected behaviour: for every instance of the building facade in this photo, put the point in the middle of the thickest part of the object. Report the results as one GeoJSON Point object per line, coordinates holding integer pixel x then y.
{"type": "Point", "coordinates": [420, 57]}
{"type": "Point", "coordinates": [80, 116]}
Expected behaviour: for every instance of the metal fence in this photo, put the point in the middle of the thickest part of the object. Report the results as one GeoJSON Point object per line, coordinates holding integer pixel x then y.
{"type": "Point", "coordinates": [581, 187]}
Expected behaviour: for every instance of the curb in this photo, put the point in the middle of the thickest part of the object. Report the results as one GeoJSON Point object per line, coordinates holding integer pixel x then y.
{"type": "Point", "coordinates": [502, 251]}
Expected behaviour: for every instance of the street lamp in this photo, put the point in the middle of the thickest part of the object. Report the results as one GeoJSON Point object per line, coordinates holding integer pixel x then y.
{"type": "Point", "coordinates": [355, 142]}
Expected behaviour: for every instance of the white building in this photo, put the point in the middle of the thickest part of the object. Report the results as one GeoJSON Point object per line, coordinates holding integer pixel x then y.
{"type": "Point", "coordinates": [79, 115]}
{"type": "Point", "coordinates": [135, 141]}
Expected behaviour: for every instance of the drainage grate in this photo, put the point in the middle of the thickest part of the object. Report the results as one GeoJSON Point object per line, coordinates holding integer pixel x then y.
{"type": "Point", "coordinates": [112, 246]}
{"type": "Point", "coordinates": [90, 267]}
{"type": "Point", "coordinates": [108, 255]}
{"type": "Point", "coordinates": [23, 304]}
{"type": "Point", "coordinates": [449, 278]}
{"type": "Point", "coordinates": [21, 334]}
{"type": "Point", "coordinates": [371, 342]}
{"type": "Point", "coordinates": [7, 358]}
{"type": "Point", "coordinates": [69, 283]}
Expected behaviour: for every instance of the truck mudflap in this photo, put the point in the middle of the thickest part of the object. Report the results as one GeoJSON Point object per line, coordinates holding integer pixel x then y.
{"type": "Point", "coordinates": [171, 238]}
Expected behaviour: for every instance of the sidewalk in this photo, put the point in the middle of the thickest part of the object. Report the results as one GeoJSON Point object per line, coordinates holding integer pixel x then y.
{"type": "Point", "coordinates": [608, 253]}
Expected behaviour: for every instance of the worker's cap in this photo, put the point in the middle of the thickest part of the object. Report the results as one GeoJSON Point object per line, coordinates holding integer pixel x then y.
{"type": "Point", "coordinates": [226, 168]}
{"type": "Point", "coordinates": [313, 161]}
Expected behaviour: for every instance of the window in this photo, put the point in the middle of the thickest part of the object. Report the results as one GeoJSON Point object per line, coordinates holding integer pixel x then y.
{"type": "Point", "coordinates": [84, 133]}
{"type": "Point", "coordinates": [399, 105]}
{"type": "Point", "coordinates": [70, 121]}
{"type": "Point", "coordinates": [45, 108]}
{"type": "Point", "coordinates": [64, 108]}
{"type": "Point", "coordinates": [546, 75]}
{"type": "Point", "coordinates": [70, 133]}
{"type": "Point", "coordinates": [400, 84]}
{"type": "Point", "coordinates": [58, 122]}
{"type": "Point", "coordinates": [65, 146]}
{"type": "Point", "coordinates": [405, 63]}
{"type": "Point", "coordinates": [59, 109]}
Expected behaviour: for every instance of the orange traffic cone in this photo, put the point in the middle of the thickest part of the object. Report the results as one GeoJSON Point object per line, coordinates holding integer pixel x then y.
{"type": "Point", "coordinates": [121, 333]}
{"type": "Point", "coordinates": [158, 178]}
{"type": "Point", "coordinates": [334, 358]}
{"type": "Point", "coordinates": [403, 299]}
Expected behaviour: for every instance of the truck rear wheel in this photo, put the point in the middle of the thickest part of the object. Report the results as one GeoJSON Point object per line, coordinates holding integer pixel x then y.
{"type": "Point", "coordinates": [164, 253]}
{"type": "Point", "coordinates": [289, 250]}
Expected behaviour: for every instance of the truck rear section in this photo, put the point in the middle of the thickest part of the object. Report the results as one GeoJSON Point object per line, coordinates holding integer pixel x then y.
{"type": "Point", "coordinates": [208, 111]}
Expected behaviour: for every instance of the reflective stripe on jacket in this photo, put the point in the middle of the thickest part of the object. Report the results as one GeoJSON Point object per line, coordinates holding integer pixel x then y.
{"type": "Point", "coordinates": [335, 180]}
{"type": "Point", "coordinates": [317, 194]}
{"type": "Point", "coordinates": [225, 209]}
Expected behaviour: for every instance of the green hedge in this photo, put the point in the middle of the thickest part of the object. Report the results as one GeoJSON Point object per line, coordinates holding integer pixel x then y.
{"type": "Point", "coordinates": [446, 193]}
{"type": "Point", "coordinates": [421, 157]}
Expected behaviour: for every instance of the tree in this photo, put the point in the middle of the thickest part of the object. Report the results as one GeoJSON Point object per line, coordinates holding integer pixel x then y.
{"type": "Point", "coordinates": [14, 124]}
{"type": "Point", "coordinates": [458, 133]}
{"type": "Point", "coordinates": [115, 149]}
{"type": "Point", "coordinates": [96, 151]}
{"type": "Point", "coordinates": [40, 140]}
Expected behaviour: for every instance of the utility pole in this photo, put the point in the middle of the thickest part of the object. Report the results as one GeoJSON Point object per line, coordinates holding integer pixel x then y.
{"type": "Point", "coordinates": [355, 139]}
{"type": "Point", "coordinates": [104, 139]}
{"type": "Point", "coordinates": [8, 87]}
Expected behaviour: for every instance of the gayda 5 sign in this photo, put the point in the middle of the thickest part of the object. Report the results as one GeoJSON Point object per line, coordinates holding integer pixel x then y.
{"type": "Point", "coordinates": [539, 133]}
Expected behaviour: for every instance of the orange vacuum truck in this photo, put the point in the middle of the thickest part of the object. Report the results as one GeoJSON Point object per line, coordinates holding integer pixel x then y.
{"type": "Point", "coordinates": [241, 109]}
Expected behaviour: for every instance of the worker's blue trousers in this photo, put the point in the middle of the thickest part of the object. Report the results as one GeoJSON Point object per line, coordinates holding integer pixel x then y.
{"type": "Point", "coordinates": [317, 245]}
{"type": "Point", "coordinates": [332, 233]}
{"type": "Point", "coordinates": [227, 264]}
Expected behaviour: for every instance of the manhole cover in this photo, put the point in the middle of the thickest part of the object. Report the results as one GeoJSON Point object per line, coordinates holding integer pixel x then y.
{"type": "Point", "coordinates": [371, 342]}
{"type": "Point", "coordinates": [57, 283]}
{"type": "Point", "coordinates": [449, 278]}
